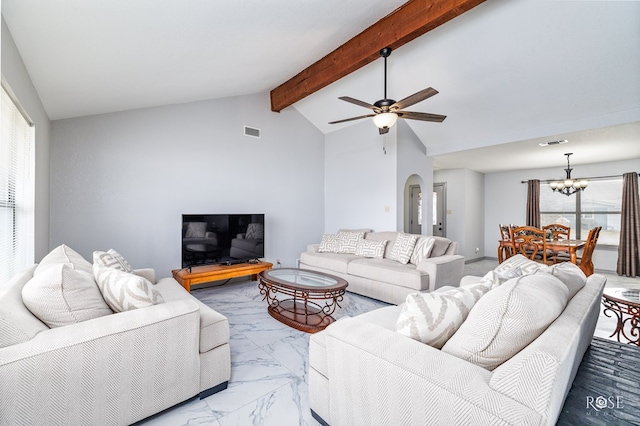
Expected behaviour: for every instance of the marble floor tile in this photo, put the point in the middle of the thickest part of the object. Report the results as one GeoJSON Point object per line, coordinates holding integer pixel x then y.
{"type": "Point", "coordinates": [269, 360]}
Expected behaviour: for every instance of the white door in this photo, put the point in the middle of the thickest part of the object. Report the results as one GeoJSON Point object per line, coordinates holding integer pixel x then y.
{"type": "Point", "coordinates": [440, 209]}
{"type": "Point", "coordinates": [415, 208]}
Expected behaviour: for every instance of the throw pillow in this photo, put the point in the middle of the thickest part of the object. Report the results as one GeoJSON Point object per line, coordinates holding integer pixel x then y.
{"type": "Point", "coordinates": [422, 250]}
{"type": "Point", "coordinates": [61, 295]}
{"type": "Point", "coordinates": [347, 241]}
{"type": "Point", "coordinates": [329, 243]}
{"type": "Point", "coordinates": [571, 275]}
{"type": "Point", "coordinates": [196, 230]}
{"type": "Point", "coordinates": [373, 249]}
{"type": "Point", "coordinates": [124, 291]}
{"type": "Point", "coordinates": [432, 318]}
{"type": "Point", "coordinates": [111, 259]}
{"type": "Point", "coordinates": [508, 318]}
{"type": "Point", "coordinates": [64, 254]}
{"type": "Point", "coordinates": [403, 247]}
{"type": "Point", "coordinates": [255, 231]}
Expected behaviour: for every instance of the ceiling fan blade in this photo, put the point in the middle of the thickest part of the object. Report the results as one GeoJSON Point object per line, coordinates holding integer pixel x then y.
{"type": "Point", "coordinates": [357, 102]}
{"type": "Point", "coordinates": [384, 130]}
{"type": "Point", "coordinates": [423, 116]}
{"type": "Point", "coordinates": [414, 99]}
{"type": "Point", "coordinates": [351, 119]}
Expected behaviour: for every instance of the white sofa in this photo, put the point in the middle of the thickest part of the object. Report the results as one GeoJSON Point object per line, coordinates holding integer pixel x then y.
{"type": "Point", "coordinates": [362, 372]}
{"type": "Point", "coordinates": [385, 279]}
{"type": "Point", "coordinates": [115, 369]}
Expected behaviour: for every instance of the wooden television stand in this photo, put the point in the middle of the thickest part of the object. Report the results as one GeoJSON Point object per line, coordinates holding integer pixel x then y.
{"type": "Point", "coordinates": [203, 274]}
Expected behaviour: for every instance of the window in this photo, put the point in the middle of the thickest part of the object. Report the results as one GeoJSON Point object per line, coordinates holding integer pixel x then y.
{"type": "Point", "coordinates": [16, 189]}
{"type": "Point", "coordinates": [598, 205]}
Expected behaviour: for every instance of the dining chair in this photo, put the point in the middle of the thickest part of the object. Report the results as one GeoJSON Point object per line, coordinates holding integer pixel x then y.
{"type": "Point", "coordinates": [530, 242]}
{"type": "Point", "coordinates": [584, 262]}
{"type": "Point", "coordinates": [556, 232]}
{"type": "Point", "coordinates": [506, 248]}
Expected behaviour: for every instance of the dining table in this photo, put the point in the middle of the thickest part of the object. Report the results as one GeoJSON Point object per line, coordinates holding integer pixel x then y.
{"type": "Point", "coordinates": [570, 246]}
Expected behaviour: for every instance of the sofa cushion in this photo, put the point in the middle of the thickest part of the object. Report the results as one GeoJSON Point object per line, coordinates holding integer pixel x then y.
{"type": "Point", "coordinates": [124, 291]}
{"type": "Point", "coordinates": [111, 259]}
{"type": "Point", "coordinates": [422, 250]}
{"type": "Point", "coordinates": [61, 295]}
{"type": "Point", "coordinates": [336, 262]}
{"type": "Point", "coordinates": [214, 327]}
{"type": "Point", "coordinates": [440, 246]}
{"type": "Point", "coordinates": [64, 254]}
{"type": "Point", "coordinates": [389, 271]}
{"type": "Point", "coordinates": [403, 247]}
{"type": "Point", "coordinates": [382, 236]}
{"type": "Point", "coordinates": [508, 318]}
{"type": "Point", "coordinates": [571, 275]}
{"type": "Point", "coordinates": [329, 243]}
{"type": "Point", "coordinates": [432, 318]}
{"type": "Point", "coordinates": [17, 323]}
{"type": "Point", "coordinates": [373, 249]}
{"type": "Point", "coordinates": [347, 241]}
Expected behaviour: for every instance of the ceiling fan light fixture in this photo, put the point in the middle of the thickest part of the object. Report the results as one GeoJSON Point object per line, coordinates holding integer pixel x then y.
{"type": "Point", "coordinates": [385, 119]}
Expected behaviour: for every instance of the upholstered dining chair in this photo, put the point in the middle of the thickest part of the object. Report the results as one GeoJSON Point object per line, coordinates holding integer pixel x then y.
{"type": "Point", "coordinates": [530, 242]}
{"type": "Point", "coordinates": [506, 249]}
{"type": "Point", "coordinates": [584, 262]}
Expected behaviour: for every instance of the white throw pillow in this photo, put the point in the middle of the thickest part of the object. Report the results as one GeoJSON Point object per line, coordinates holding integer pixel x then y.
{"type": "Point", "coordinates": [508, 318]}
{"type": "Point", "coordinates": [516, 266]}
{"type": "Point", "coordinates": [61, 295]}
{"type": "Point", "coordinates": [571, 275]}
{"type": "Point", "coordinates": [373, 249]}
{"type": "Point", "coordinates": [124, 291]}
{"type": "Point", "coordinates": [64, 254]}
{"type": "Point", "coordinates": [329, 243]}
{"type": "Point", "coordinates": [422, 250]}
{"type": "Point", "coordinates": [403, 247]}
{"type": "Point", "coordinates": [111, 259]}
{"type": "Point", "coordinates": [432, 318]}
{"type": "Point", "coordinates": [347, 241]}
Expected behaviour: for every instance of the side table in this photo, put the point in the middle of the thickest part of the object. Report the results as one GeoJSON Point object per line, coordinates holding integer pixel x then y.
{"type": "Point", "coordinates": [624, 303]}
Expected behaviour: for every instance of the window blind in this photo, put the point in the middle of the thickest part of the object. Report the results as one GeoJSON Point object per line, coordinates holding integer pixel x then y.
{"type": "Point", "coordinates": [17, 189]}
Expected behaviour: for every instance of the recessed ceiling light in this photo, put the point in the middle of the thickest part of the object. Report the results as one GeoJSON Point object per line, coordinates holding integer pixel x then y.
{"type": "Point", "coordinates": [553, 143]}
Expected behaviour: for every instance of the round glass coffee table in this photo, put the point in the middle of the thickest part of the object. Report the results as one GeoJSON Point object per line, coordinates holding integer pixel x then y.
{"type": "Point", "coordinates": [625, 304]}
{"type": "Point", "coordinates": [300, 298]}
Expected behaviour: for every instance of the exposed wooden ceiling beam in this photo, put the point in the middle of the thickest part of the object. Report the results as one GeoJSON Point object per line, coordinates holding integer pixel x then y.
{"type": "Point", "coordinates": [406, 23]}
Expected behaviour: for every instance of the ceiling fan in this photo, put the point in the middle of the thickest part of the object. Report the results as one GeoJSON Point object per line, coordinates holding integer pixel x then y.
{"type": "Point", "coordinates": [386, 111]}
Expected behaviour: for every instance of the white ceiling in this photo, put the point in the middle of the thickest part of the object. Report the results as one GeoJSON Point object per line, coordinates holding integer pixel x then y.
{"type": "Point", "coordinates": [510, 73]}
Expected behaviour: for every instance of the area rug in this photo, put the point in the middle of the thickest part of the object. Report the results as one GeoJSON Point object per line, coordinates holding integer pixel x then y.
{"type": "Point", "coordinates": [606, 390]}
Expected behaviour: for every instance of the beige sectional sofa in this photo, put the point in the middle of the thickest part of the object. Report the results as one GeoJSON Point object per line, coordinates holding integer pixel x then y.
{"type": "Point", "coordinates": [112, 369]}
{"type": "Point", "coordinates": [386, 279]}
{"type": "Point", "coordinates": [363, 372]}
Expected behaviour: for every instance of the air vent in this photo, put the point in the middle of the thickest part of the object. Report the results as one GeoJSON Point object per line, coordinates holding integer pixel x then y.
{"type": "Point", "coordinates": [252, 132]}
{"type": "Point", "coordinates": [553, 143]}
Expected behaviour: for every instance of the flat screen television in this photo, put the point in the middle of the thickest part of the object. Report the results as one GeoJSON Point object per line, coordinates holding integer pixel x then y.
{"type": "Point", "coordinates": [221, 238]}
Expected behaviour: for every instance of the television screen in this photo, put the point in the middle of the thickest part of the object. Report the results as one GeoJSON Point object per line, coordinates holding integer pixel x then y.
{"type": "Point", "coordinates": [221, 238]}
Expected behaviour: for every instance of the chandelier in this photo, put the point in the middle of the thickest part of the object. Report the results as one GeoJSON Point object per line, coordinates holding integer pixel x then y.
{"type": "Point", "coordinates": [569, 186]}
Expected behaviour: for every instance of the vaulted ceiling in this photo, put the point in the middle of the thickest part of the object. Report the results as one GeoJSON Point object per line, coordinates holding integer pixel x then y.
{"type": "Point", "coordinates": [507, 70]}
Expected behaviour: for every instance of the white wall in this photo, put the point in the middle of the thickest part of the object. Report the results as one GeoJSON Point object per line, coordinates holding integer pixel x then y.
{"type": "Point", "coordinates": [506, 199]}
{"type": "Point", "coordinates": [123, 180]}
{"type": "Point", "coordinates": [360, 179]}
{"type": "Point", "coordinates": [465, 209]}
{"type": "Point", "coordinates": [17, 78]}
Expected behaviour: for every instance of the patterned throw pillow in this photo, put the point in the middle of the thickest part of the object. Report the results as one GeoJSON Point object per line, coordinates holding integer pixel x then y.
{"type": "Point", "coordinates": [111, 259]}
{"type": "Point", "coordinates": [403, 247]}
{"type": "Point", "coordinates": [368, 248]}
{"type": "Point", "coordinates": [255, 231]}
{"type": "Point", "coordinates": [61, 295]}
{"type": "Point", "coordinates": [124, 291]}
{"type": "Point", "coordinates": [329, 243]}
{"type": "Point", "coordinates": [347, 241]}
{"type": "Point", "coordinates": [432, 318]}
{"type": "Point", "coordinates": [196, 230]}
{"type": "Point", "coordinates": [422, 250]}
{"type": "Point", "coordinates": [508, 319]}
